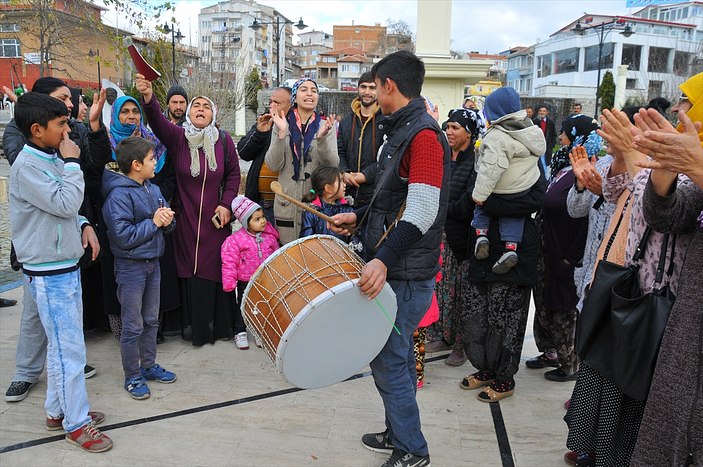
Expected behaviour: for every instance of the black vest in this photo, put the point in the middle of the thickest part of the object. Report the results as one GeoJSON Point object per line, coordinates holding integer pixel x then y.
{"type": "Point", "coordinates": [421, 259]}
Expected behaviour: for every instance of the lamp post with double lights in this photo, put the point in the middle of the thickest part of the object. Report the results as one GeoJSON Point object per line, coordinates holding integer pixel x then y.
{"type": "Point", "coordinates": [602, 31]}
{"type": "Point", "coordinates": [279, 25]}
{"type": "Point", "coordinates": [174, 36]}
{"type": "Point", "coordinates": [96, 54]}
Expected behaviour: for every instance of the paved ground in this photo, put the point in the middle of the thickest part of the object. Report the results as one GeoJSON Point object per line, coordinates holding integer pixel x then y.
{"type": "Point", "coordinates": [231, 407]}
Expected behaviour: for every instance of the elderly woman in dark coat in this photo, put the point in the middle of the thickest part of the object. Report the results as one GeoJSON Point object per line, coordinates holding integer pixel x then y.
{"type": "Point", "coordinates": [671, 432]}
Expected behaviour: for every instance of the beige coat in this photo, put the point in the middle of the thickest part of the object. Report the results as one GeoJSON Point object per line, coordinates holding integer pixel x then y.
{"type": "Point", "coordinates": [279, 157]}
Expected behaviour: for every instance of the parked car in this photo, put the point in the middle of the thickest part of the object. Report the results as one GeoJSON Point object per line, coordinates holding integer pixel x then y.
{"type": "Point", "coordinates": [322, 88]}
{"type": "Point", "coordinates": [349, 87]}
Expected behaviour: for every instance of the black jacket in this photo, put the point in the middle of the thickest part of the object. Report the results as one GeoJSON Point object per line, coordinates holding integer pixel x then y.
{"type": "Point", "coordinates": [550, 136]}
{"type": "Point", "coordinates": [359, 156]}
{"type": "Point", "coordinates": [253, 148]}
{"type": "Point", "coordinates": [525, 272]}
{"type": "Point", "coordinates": [419, 260]}
{"type": "Point", "coordinates": [457, 228]}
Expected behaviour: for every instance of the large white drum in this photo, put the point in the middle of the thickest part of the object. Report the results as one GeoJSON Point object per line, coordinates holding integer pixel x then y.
{"type": "Point", "coordinates": [313, 321]}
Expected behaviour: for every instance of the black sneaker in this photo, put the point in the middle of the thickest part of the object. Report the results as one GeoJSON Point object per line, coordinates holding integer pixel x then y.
{"type": "Point", "coordinates": [377, 442]}
{"type": "Point", "coordinates": [542, 361]}
{"type": "Point", "coordinates": [405, 459]}
{"type": "Point", "coordinates": [89, 371]}
{"type": "Point", "coordinates": [18, 391]}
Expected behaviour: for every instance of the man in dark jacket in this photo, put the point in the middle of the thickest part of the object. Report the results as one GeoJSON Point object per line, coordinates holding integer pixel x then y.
{"type": "Point", "coordinates": [358, 141]}
{"type": "Point", "coordinates": [549, 130]}
{"type": "Point", "coordinates": [253, 148]}
{"type": "Point", "coordinates": [407, 220]}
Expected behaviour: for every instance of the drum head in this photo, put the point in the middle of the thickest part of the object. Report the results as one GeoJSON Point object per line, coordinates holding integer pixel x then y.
{"type": "Point", "coordinates": [337, 334]}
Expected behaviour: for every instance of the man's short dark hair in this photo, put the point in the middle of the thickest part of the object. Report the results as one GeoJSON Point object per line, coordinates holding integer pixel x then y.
{"type": "Point", "coordinates": [130, 149]}
{"type": "Point", "coordinates": [542, 106]}
{"type": "Point", "coordinates": [405, 69]}
{"type": "Point", "coordinates": [34, 107]}
{"type": "Point", "coordinates": [365, 78]}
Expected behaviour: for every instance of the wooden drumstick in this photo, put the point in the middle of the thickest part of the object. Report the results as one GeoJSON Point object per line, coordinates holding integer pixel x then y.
{"type": "Point", "coordinates": [278, 189]}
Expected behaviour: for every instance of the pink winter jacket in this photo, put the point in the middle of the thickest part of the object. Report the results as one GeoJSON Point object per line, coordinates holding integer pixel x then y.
{"type": "Point", "coordinates": [241, 255]}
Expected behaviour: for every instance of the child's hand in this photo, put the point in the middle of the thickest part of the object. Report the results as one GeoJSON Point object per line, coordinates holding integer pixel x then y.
{"type": "Point", "coordinates": [160, 217]}
{"type": "Point", "coordinates": [477, 202]}
{"type": "Point", "coordinates": [168, 216]}
{"type": "Point", "coordinates": [68, 148]}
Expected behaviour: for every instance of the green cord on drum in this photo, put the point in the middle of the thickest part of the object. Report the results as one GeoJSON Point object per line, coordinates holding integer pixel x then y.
{"type": "Point", "coordinates": [386, 313]}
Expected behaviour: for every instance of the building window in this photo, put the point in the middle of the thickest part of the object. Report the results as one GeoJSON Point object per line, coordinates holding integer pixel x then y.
{"type": "Point", "coordinates": [631, 55]}
{"type": "Point", "coordinates": [566, 61]}
{"type": "Point", "coordinates": [682, 60]}
{"type": "Point", "coordinates": [544, 66]}
{"type": "Point", "coordinates": [631, 83]}
{"type": "Point", "coordinates": [10, 48]}
{"type": "Point", "coordinates": [9, 27]}
{"type": "Point", "coordinates": [606, 60]}
{"type": "Point", "coordinates": [658, 60]}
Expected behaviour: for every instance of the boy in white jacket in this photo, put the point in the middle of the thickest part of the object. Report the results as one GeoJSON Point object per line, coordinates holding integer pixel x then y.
{"type": "Point", "coordinates": [506, 166]}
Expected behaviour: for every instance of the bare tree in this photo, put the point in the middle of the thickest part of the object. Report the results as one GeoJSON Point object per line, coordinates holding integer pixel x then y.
{"type": "Point", "coordinates": [398, 36]}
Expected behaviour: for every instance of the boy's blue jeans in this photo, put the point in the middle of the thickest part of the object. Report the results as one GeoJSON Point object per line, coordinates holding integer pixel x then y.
{"type": "Point", "coordinates": [394, 371]}
{"type": "Point", "coordinates": [510, 228]}
{"type": "Point", "coordinates": [58, 301]}
{"type": "Point", "coordinates": [138, 290]}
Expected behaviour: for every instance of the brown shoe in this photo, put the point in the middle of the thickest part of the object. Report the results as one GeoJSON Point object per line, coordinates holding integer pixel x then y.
{"type": "Point", "coordinates": [456, 358]}
{"type": "Point", "coordinates": [53, 424]}
{"type": "Point", "coordinates": [436, 346]}
{"type": "Point", "coordinates": [89, 438]}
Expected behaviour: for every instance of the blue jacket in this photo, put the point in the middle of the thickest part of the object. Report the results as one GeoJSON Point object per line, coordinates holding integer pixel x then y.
{"type": "Point", "coordinates": [313, 225]}
{"type": "Point", "coordinates": [128, 212]}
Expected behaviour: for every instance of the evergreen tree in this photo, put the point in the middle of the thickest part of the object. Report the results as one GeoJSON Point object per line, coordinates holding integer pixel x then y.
{"type": "Point", "coordinates": [606, 91]}
{"type": "Point", "coordinates": [252, 86]}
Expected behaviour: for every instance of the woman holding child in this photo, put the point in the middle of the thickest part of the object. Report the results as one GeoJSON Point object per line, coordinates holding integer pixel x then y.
{"type": "Point", "coordinates": [207, 174]}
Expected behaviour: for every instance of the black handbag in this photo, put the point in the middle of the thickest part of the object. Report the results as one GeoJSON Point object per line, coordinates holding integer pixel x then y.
{"type": "Point", "coordinates": [638, 323]}
{"type": "Point", "coordinates": [593, 331]}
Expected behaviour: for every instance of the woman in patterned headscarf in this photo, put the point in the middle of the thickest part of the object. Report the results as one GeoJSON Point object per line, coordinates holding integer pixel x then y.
{"type": "Point", "coordinates": [207, 173]}
{"type": "Point", "coordinates": [301, 141]}
{"type": "Point", "coordinates": [463, 128]}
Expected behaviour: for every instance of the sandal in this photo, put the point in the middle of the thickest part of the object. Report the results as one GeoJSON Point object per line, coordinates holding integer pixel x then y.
{"type": "Point", "coordinates": [496, 391]}
{"type": "Point", "coordinates": [475, 381]}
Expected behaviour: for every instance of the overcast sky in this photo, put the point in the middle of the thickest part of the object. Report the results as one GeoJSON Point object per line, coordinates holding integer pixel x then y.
{"type": "Point", "coordinates": [480, 25]}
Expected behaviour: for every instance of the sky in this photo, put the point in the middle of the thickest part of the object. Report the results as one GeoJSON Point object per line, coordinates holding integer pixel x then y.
{"type": "Point", "coordinates": [477, 25]}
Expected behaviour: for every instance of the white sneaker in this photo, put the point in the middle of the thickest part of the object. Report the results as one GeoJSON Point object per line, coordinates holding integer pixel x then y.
{"type": "Point", "coordinates": [257, 340]}
{"type": "Point", "coordinates": [241, 341]}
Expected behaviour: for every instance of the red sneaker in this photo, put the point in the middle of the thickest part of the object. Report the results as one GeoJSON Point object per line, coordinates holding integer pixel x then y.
{"type": "Point", "coordinates": [89, 438]}
{"type": "Point", "coordinates": [53, 424]}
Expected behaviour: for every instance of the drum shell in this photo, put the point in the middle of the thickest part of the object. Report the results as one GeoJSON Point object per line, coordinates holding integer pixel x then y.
{"type": "Point", "coordinates": [266, 176]}
{"type": "Point", "coordinates": [290, 279]}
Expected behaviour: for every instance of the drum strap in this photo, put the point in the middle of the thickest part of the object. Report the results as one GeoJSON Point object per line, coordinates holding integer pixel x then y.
{"type": "Point", "coordinates": [390, 227]}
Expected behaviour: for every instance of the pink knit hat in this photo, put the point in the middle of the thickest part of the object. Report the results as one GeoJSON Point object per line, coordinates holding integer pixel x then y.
{"type": "Point", "coordinates": [243, 208]}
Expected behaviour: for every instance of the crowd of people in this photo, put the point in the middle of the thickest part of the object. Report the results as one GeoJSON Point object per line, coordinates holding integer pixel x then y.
{"type": "Point", "coordinates": [466, 221]}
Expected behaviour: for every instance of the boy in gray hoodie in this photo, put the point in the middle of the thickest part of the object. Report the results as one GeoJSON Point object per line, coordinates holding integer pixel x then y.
{"type": "Point", "coordinates": [46, 192]}
{"type": "Point", "coordinates": [506, 164]}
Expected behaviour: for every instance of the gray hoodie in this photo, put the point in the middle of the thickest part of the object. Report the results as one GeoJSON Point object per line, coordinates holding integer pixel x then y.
{"type": "Point", "coordinates": [506, 162]}
{"type": "Point", "coordinates": [45, 195]}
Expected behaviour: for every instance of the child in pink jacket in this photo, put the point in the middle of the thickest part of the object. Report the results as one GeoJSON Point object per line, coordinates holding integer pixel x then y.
{"type": "Point", "coordinates": [242, 253]}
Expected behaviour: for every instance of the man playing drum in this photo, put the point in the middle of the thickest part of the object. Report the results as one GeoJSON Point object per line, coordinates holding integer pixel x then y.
{"type": "Point", "coordinates": [411, 188]}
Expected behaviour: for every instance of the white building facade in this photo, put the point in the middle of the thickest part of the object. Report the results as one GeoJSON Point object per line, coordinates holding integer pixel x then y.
{"type": "Point", "coordinates": [665, 49]}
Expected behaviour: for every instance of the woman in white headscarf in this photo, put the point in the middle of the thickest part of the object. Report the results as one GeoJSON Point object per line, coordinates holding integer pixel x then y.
{"type": "Point", "coordinates": [207, 174]}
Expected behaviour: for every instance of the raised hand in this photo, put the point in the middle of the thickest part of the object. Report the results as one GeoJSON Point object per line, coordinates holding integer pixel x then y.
{"type": "Point", "coordinates": [326, 125]}
{"type": "Point", "coordinates": [585, 171]}
{"type": "Point", "coordinates": [96, 109]}
{"type": "Point", "coordinates": [11, 96]}
{"type": "Point", "coordinates": [279, 119]}
{"type": "Point", "coordinates": [144, 87]}
{"type": "Point", "coordinates": [264, 123]}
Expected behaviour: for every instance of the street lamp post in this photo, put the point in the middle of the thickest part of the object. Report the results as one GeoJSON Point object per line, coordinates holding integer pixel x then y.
{"type": "Point", "coordinates": [613, 24]}
{"type": "Point", "coordinates": [174, 35]}
{"type": "Point", "coordinates": [256, 25]}
{"type": "Point", "coordinates": [96, 54]}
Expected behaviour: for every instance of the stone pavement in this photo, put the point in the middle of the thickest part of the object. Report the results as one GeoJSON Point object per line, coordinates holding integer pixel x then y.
{"type": "Point", "coordinates": [231, 407]}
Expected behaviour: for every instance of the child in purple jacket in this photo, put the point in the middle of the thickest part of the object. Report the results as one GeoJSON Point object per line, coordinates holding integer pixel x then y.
{"type": "Point", "coordinates": [242, 253]}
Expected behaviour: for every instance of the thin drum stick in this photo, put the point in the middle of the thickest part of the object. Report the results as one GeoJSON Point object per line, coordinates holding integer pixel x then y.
{"type": "Point", "coordinates": [278, 189]}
